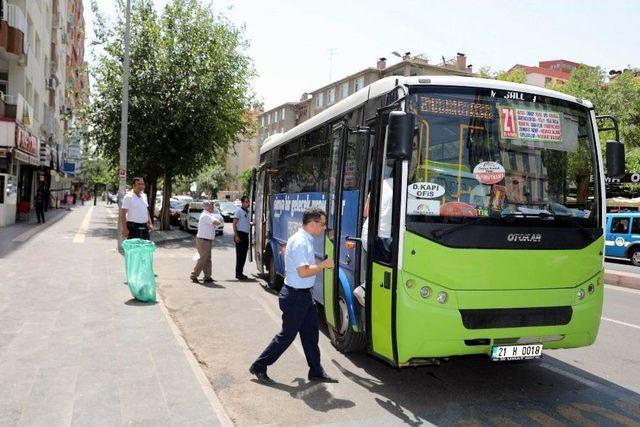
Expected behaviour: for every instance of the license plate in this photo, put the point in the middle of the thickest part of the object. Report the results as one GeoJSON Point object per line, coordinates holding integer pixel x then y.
{"type": "Point", "coordinates": [516, 352]}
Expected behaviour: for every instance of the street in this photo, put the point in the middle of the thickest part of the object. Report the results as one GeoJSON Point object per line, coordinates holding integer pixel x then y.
{"type": "Point", "coordinates": [228, 323]}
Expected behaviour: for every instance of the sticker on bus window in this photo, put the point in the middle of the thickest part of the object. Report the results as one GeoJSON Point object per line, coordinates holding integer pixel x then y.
{"type": "Point", "coordinates": [489, 172]}
{"type": "Point", "coordinates": [423, 207]}
{"type": "Point", "coordinates": [457, 209]}
{"type": "Point", "coordinates": [425, 190]}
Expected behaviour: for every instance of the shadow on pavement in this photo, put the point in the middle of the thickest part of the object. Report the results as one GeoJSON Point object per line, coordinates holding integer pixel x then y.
{"type": "Point", "coordinates": [211, 285]}
{"type": "Point", "coordinates": [315, 395]}
{"type": "Point", "coordinates": [474, 391]}
{"type": "Point", "coordinates": [135, 303]}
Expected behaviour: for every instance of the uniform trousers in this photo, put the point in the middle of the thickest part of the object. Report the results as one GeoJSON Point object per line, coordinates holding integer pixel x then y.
{"type": "Point", "coordinates": [241, 252]}
{"type": "Point", "coordinates": [299, 315]}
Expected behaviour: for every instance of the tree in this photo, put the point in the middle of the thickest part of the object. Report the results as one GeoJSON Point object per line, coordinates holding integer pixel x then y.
{"type": "Point", "coordinates": [189, 90]}
{"type": "Point", "coordinates": [245, 181]}
{"type": "Point", "coordinates": [516, 75]}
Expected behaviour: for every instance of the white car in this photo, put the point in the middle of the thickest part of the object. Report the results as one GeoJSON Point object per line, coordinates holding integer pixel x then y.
{"type": "Point", "coordinates": [191, 214]}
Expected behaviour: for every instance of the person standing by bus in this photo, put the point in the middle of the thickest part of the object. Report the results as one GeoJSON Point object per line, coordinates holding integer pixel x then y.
{"type": "Point", "coordinates": [206, 234]}
{"type": "Point", "coordinates": [241, 229]}
{"type": "Point", "coordinates": [299, 314]}
{"type": "Point", "coordinates": [136, 222]}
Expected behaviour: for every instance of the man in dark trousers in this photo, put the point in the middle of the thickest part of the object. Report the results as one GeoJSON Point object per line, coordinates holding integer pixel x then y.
{"type": "Point", "coordinates": [299, 312]}
{"type": "Point", "coordinates": [39, 202]}
{"type": "Point", "coordinates": [241, 229]}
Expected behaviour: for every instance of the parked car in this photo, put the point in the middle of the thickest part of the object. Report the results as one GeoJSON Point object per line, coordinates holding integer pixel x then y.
{"type": "Point", "coordinates": [228, 210]}
{"type": "Point", "coordinates": [623, 236]}
{"type": "Point", "coordinates": [190, 215]}
{"type": "Point", "coordinates": [113, 197]}
{"type": "Point", "coordinates": [183, 199]}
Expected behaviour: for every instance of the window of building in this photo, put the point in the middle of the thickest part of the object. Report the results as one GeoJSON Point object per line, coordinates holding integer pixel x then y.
{"type": "Point", "coordinates": [268, 119]}
{"type": "Point", "coordinates": [413, 71]}
{"type": "Point", "coordinates": [38, 46]}
{"type": "Point", "coordinates": [4, 82]}
{"type": "Point", "coordinates": [359, 83]}
{"type": "Point", "coordinates": [281, 130]}
{"type": "Point", "coordinates": [282, 114]}
{"type": "Point", "coordinates": [319, 99]}
{"type": "Point", "coordinates": [332, 96]}
{"type": "Point", "coordinates": [275, 116]}
{"type": "Point", "coordinates": [262, 121]}
{"type": "Point", "coordinates": [344, 90]}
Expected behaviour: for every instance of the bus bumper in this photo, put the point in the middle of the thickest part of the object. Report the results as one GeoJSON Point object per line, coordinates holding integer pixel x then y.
{"type": "Point", "coordinates": [427, 329]}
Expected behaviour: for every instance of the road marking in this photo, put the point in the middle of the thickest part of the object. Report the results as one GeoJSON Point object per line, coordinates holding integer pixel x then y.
{"type": "Point", "coordinates": [570, 375]}
{"type": "Point", "coordinates": [621, 289]}
{"type": "Point", "coordinates": [631, 325]}
{"type": "Point", "coordinates": [84, 226]}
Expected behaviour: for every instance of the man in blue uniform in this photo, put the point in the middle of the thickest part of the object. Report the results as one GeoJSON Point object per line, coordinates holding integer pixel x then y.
{"type": "Point", "coordinates": [241, 230]}
{"type": "Point", "coordinates": [296, 300]}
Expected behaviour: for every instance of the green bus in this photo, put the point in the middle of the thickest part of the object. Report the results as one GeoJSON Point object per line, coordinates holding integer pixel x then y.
{"type": "Point", "coordinates": [465, 216]}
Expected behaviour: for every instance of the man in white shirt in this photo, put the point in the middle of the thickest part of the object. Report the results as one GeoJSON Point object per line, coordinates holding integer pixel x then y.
{"type": "Point", "coordinates": [206, 233]}
{"type": "Point", "coordinates": [136, 222]}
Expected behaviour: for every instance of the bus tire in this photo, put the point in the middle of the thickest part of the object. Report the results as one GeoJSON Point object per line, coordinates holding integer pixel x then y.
{"type": "Point", "coordinates": [634, 256]}
{"type": "Point", "coordinates": [274, 281]}
{"type": "Point", "coordinates": [343, 337]}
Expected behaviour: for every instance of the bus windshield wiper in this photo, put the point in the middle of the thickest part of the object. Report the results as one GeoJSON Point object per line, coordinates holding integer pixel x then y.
{"type": "Point", "coordinates": [545, 215]}
{"type": "Point", "coordinates": [440, 232]}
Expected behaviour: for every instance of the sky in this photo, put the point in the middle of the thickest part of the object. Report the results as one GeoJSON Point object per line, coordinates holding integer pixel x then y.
{"type": "Point", "coordinates": [291, 40]}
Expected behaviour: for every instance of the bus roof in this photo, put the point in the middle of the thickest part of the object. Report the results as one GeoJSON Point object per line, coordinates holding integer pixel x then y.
{"type": "Point", "coordinates": [386, 84]}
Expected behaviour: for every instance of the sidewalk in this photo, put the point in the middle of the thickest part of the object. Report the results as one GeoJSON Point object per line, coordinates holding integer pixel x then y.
{"type": "Point", "coordinates": [622, 278]}
{"type": "Point", "coordinates": [16, 234]}
{"type": "Point", "coordinates": [76, 350]}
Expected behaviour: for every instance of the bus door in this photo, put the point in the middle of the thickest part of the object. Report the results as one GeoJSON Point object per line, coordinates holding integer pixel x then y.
{"type": "Point", "coordinates": [259, 201]}
{"type": "Point", "coordinates": [337, 136]}
{"type": "Point", "coordinates": [381, 252]}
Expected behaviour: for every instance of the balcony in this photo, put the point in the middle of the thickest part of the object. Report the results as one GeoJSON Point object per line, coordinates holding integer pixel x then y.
{"type": "Point", "coordinates": [14, 40]}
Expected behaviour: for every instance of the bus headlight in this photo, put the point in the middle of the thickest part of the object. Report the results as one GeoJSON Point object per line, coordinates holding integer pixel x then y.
{"type": "Point", "coordinates": [591, 288]}
{"type": "Point", "coordinates": [425, 292]}
{"type": "Point", "coordinates": [442, 297]}
{"type": "Point", "coordinates": [580, 293]}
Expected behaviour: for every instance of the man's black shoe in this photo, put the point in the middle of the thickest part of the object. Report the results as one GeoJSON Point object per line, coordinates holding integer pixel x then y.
{"type": "Point", "coordinates": [209, 280]}
{"type": "Point", "coordinates": [195, 280]}
{"type": "Point", "coordinates": [323, 378]}
{"type": "Point", "coordinates": [241, 277]}
{"type": "Point", "coordinates": [262, 377]}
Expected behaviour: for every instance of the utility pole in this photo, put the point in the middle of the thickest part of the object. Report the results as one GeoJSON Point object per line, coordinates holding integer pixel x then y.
{"type": "Point", "coordinates": [122, 172]}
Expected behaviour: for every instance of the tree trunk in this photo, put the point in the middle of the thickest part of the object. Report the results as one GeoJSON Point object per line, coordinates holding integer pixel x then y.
{"type": "Point", "coordinates": [152, 189]}
{"type": "Point", "coordinates": [166, 196]}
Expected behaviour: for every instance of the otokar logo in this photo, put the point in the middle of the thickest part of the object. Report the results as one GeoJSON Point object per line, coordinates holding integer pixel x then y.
{"type": "Point", "coordinates": [525, 237]}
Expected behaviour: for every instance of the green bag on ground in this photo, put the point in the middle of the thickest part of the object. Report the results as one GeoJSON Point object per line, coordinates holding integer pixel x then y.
{"type": "Point", "coordinates": [138, 258]}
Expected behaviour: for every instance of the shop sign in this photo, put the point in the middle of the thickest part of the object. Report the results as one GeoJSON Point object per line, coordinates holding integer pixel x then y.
{"type": "Point", "coordinates": [26, 142]}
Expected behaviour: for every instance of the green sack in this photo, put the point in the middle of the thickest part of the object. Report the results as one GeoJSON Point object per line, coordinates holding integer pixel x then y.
{"type": "Point", "coordinates": [138, 258]}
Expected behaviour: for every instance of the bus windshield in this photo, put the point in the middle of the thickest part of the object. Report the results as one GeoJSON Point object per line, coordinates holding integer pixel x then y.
{"type": "Point", "coordinates": [501, 155]}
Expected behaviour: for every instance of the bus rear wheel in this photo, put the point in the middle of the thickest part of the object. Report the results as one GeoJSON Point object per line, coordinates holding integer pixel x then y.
{"type": "Point", "coordinates": [343, 337]}
{"type": "Point", "coordinates": [274, 281]}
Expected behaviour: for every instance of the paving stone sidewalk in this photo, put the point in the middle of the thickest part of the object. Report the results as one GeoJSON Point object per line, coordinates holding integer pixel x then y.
{"type": "Point", "coordinates": [76, 350]}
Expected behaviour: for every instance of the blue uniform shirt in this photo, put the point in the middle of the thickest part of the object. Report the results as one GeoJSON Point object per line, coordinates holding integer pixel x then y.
{"type": "Point", "coordinates": [299, 252]}
{"type": "Point", "coordinates": [243, 220]}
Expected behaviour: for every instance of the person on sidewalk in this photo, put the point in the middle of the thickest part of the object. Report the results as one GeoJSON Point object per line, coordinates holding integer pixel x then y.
{"type": "Point", "coordinates": [39, 201]}
{"type": "Point", "coordinates": [206, 233]}
{"type": "Point", "coordinates": [241, 230]}
{"type": "Point", "coordinates": [136, 221]}
{"type": "Point", "coordinates": [299, 314]}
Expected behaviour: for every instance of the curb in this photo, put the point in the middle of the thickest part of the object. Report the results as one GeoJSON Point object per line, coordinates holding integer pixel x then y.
{"type": "Point", "coordinates": [205, 384]}
{"type": "Point", "coordinates": [622, 278]}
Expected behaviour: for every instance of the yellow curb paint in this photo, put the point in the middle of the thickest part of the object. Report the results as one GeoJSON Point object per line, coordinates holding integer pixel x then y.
{"type": "Point", "coordinates": [84, 226]}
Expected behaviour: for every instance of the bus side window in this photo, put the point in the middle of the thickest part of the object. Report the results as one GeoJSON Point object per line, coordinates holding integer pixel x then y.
{"type": "Point", "coordinates": [635, 228]}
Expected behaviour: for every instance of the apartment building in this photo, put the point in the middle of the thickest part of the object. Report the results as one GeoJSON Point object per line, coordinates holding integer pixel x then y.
{"type": "Point", "coordinates": [37, 41]}
{"type": "Point", "coordinates": [290, 114]}
{"type": "Point", "coordinates": [547, 72]}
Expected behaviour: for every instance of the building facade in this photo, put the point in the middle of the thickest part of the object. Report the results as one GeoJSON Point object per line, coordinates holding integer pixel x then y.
{"type": "Point", "coordinates": [36, 37]}
{"type": "Point", "coordinates": [291, 114]}
{"type": "Point", "coordinates": [547, 72]}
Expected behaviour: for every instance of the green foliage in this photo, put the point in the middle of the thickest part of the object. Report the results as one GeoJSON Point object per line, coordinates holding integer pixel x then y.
{"type": "Point", "coordinates": [517, 76]}
{"type": "Point", "coordinates": [245, 181]}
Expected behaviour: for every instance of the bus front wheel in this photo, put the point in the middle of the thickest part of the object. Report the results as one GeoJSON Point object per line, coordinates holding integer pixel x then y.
{"type": "Point", "coordinates": [343, 337]}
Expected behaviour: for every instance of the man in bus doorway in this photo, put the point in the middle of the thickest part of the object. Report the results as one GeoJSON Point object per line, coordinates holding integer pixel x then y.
{"type": "Point", "coordinates": [241, 229]}
{"type": "Point", "coordinates": [299, 314]}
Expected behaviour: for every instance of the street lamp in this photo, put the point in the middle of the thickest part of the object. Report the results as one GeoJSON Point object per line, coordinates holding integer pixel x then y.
{"type": "Point", "coordinates": [122, 172]}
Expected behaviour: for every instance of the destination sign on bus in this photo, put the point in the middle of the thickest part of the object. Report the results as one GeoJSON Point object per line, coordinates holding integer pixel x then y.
{"type": "Point", "coordinates": [530, 125]}
{"type": "Point", "coordinates": [456, 107]}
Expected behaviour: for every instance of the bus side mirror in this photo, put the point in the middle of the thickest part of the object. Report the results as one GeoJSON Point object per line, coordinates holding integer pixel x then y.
{"type": "Point", "coordinates": [615, 159]}
{"type": "Point", "coordinates": [400, 136]}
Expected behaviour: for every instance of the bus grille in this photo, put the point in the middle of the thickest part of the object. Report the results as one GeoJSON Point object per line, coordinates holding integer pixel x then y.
{"type": "Point", "coordinates": [516, 317]}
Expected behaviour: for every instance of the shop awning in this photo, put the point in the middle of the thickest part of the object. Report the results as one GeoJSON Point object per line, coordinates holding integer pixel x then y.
{"type": "Point", "coordinates": [26, 158]}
